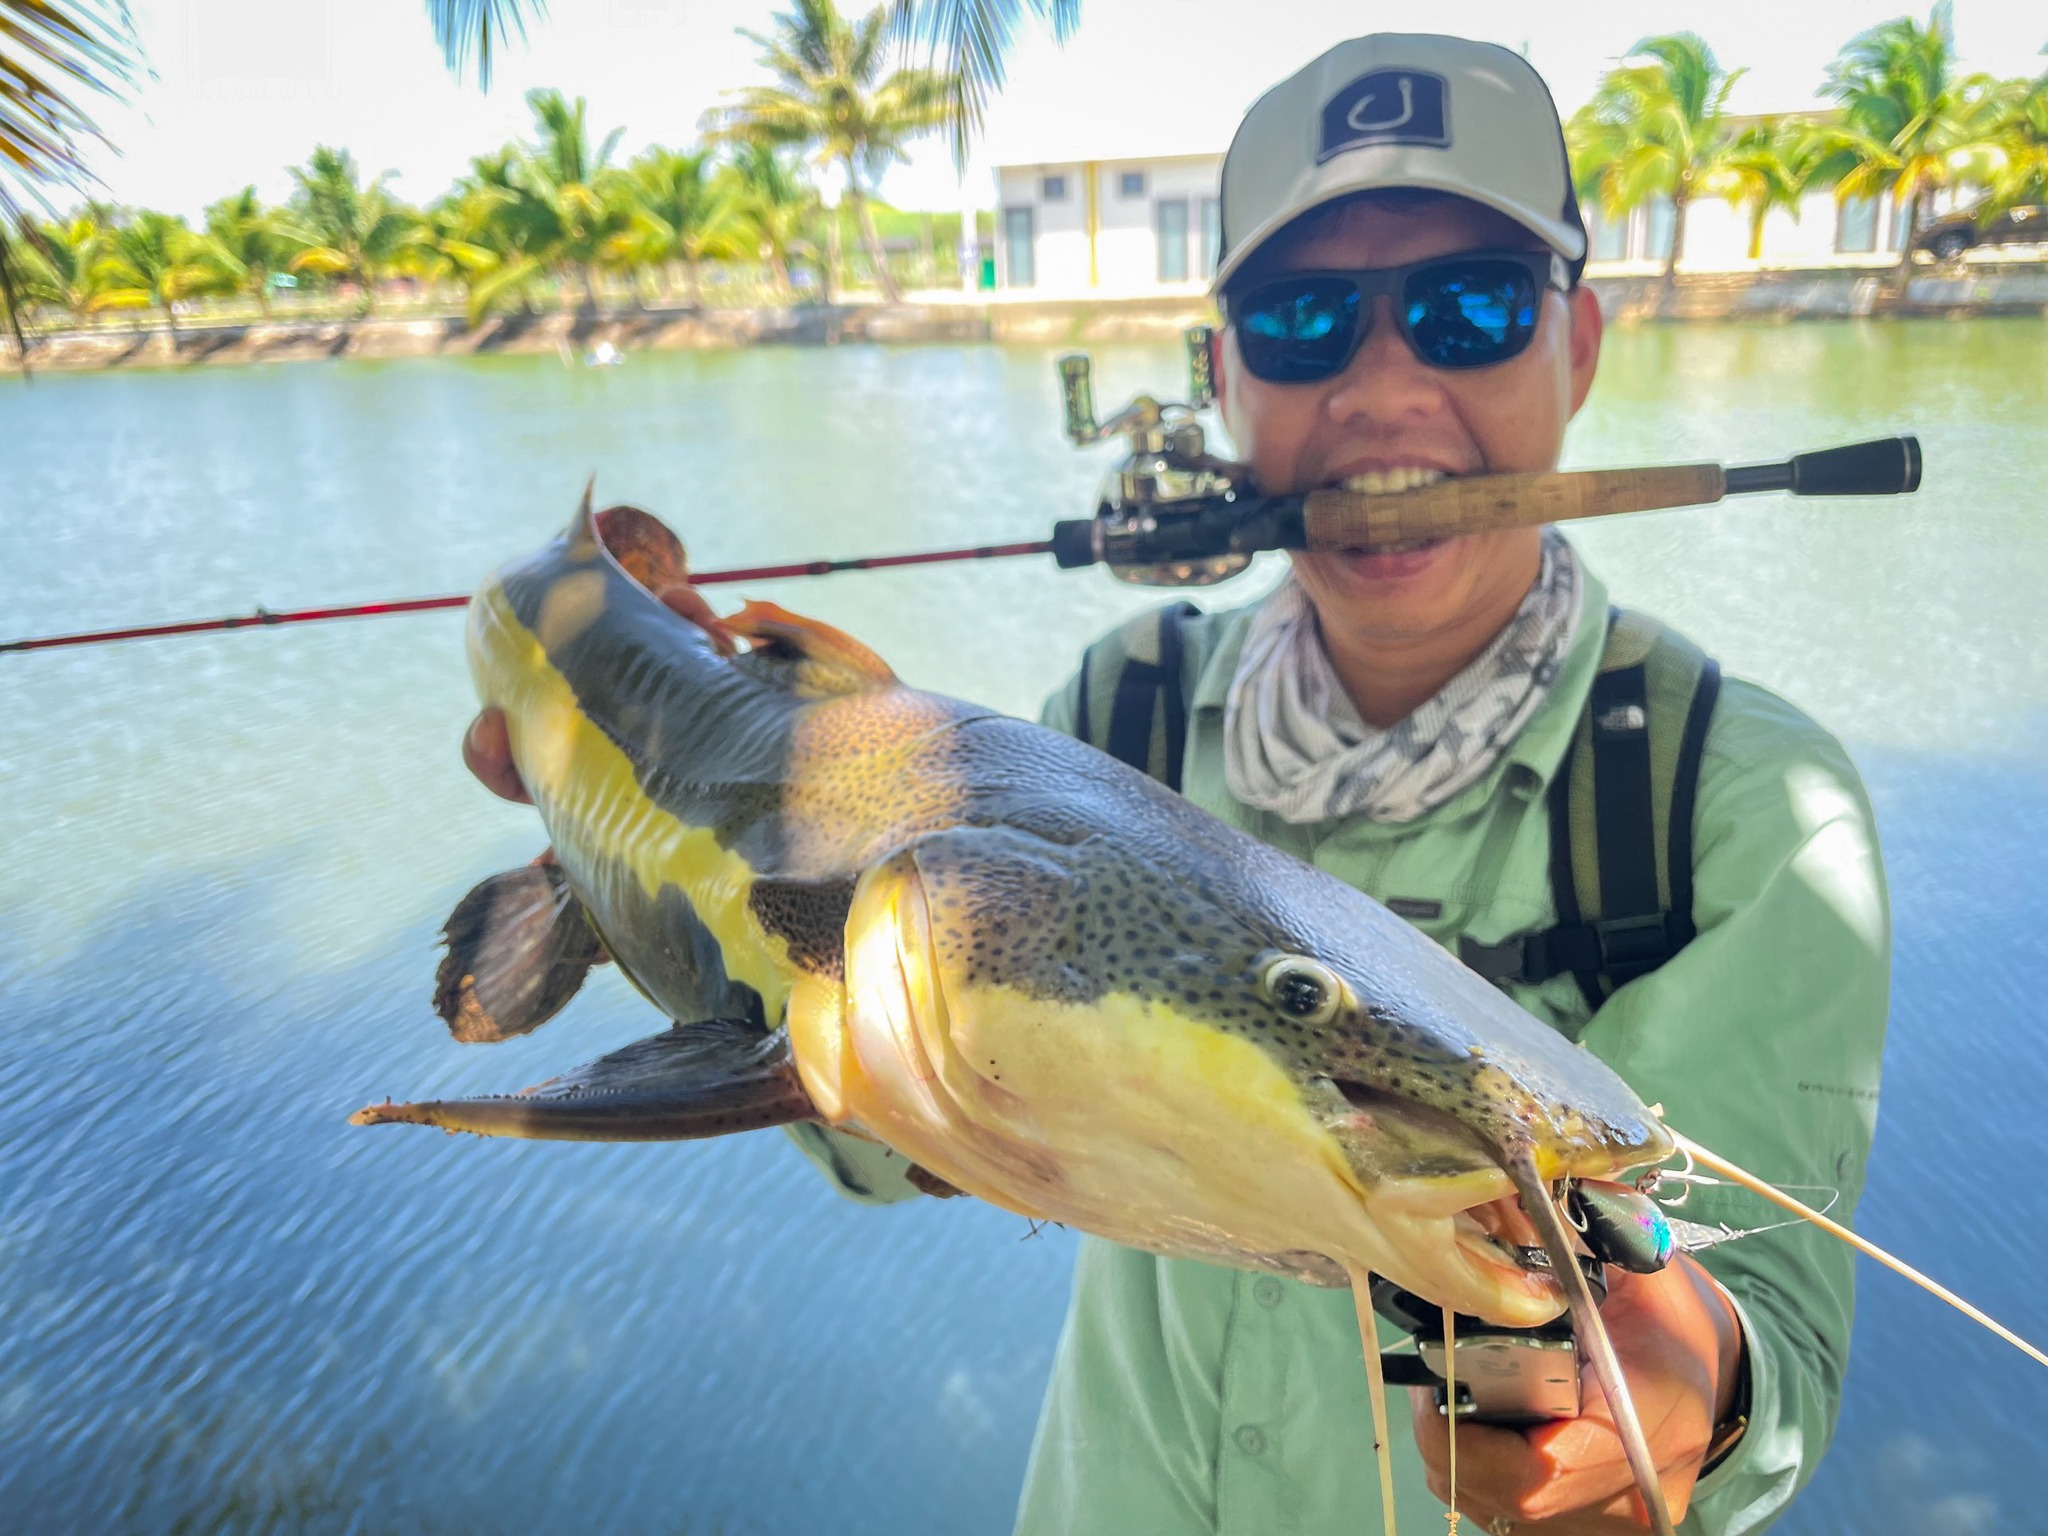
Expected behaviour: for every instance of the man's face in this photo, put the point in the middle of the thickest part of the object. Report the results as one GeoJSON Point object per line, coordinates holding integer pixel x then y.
{"type": "Point", "coordinates": [1389, 413]}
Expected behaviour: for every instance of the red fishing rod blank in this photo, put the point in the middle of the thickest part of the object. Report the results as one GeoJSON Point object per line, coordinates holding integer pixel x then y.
{"type": "Point", "coordinates": [266, 616]}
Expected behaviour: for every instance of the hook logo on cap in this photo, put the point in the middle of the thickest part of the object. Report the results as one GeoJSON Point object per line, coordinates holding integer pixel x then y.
{"type": "Point", "coordinates": [1388, 106]}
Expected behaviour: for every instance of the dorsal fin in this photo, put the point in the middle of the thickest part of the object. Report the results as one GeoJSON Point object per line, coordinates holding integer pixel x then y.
{"type": "Point", "coordinates": [834, 662]}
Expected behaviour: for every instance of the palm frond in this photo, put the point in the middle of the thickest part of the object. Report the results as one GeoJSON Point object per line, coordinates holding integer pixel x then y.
{"type": "Point", "coordinates": [479, 30]}
{"type": "Point", "coordinates": [969, 42]}
{"type": "Point", "coordinates": [53, 55]}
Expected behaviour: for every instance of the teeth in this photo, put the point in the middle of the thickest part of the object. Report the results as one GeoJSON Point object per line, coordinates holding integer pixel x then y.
{"type": "Point", "coordinates": [1386, 482]}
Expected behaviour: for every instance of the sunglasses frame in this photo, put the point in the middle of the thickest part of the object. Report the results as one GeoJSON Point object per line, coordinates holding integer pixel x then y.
{"type": "Point", "coordinates": [1547, 268]}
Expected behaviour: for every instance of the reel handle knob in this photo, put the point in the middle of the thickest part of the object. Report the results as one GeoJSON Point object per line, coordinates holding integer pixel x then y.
{"type": "Point", "coordinates": [1077, 399]}
{"type": "Point", "coordinates": [1201, 367]}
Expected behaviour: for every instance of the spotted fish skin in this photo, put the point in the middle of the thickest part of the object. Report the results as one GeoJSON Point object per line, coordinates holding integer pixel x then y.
{"type": "Point", "coordinates": [1040, 975]}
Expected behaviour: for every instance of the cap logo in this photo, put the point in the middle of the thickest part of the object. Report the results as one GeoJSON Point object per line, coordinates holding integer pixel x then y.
{"type": "Point", "coordinates": [1388, 106]}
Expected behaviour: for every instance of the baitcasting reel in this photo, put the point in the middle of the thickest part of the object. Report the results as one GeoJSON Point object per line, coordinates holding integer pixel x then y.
{"type": "Point", "coordinates": [1170, 510]}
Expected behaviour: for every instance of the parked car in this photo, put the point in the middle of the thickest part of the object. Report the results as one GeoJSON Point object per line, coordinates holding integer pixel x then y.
{"type": "Point", "coordinates": [1947, 238]}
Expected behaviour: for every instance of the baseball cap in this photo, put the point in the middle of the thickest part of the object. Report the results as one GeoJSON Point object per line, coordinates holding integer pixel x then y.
{"type": "Point", "coordinates": [1399, 109]}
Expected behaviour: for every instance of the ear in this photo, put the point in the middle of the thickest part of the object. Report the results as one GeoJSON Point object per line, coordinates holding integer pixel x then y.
{"type": "Point", "coordinates": [1217, 381]}
{"type": "Point", "coordinates": [1587, 325]}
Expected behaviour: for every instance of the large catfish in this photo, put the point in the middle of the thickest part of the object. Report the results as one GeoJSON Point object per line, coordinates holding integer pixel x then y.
{"type": "Point", "coordinates": [1038, 975]}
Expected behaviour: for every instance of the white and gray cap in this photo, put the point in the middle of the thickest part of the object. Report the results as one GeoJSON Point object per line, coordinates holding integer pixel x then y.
{"type": "Point", "coordinates": [1402, 110]}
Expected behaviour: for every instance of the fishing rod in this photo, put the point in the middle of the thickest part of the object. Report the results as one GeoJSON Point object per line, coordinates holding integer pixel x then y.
{"type": "Point", "coordinates": [1172, 514]}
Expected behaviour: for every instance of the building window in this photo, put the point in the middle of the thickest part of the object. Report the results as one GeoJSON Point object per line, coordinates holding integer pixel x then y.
{"type": "Point", "coordinates": [1131, 184]}
{"type": "Point", "coordinates": [1607, 238]}
{"type": "Point", "coordinates": [1052, 189]}
{"type": "Point", "coordinates": [1171, 218]}
{"type": "Point", "coordinates": [1660, 228]}
{"type": "Point", "coordinates": [1902, 225]}
{"type": "Point", "coordinates": [1212, 235]}
{"type": "Point", "coordinates": [1856, 226]}
{"type": "Point", "coordinates": [1019, 253]}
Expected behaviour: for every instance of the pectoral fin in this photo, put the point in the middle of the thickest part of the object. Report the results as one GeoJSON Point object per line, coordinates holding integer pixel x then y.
{"type": "Point", "coordinates": [519, 946]}
{"type": "Point", "coordinates": [695, 1080]}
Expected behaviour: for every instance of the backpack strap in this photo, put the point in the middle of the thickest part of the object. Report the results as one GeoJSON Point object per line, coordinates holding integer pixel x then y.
{"type": "Point", "coordinates": [1138, 671]}
{"type": "Point", "coordinates": [1623, 893]}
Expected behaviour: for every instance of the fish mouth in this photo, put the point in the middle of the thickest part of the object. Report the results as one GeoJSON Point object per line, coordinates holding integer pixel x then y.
{"type": "Point", "coordinates": [1454, 1225]}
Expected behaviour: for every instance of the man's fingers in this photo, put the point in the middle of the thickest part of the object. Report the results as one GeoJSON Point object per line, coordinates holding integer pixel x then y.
{"type": "Point", "coordinates": [1496, 1469]}
{"type": "Point", "coordinates": [487, 753]}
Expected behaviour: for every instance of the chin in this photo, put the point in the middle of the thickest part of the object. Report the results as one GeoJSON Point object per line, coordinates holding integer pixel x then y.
{"type": "Point", "coordinates": [1410, 592]}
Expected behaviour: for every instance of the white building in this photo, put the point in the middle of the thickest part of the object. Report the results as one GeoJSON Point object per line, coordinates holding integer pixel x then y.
{"type": "Point", "coordinates": [1128, 228]}
{"type": "Point", "coordinates": [1821, 232]}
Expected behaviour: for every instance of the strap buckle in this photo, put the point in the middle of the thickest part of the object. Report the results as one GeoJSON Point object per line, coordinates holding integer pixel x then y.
{"type": "Point", "coordinates": [1498, 963]}
{"type": "Point", "coordinates": [1633, 946]}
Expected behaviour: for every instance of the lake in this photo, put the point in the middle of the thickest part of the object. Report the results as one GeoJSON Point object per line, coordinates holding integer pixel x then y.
{"type": "Point", "coordinates": [221, 1309]}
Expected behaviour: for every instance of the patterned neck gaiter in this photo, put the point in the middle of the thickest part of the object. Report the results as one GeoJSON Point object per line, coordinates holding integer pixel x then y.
{"type": "Point", "coordinates": [1294, 743]}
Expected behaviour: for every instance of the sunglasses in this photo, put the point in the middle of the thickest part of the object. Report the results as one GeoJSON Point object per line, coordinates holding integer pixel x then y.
{"type": "Point", "coordinates": [1466, 311]}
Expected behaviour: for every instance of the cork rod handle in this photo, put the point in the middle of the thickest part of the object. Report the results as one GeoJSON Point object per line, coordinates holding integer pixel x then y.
{"type": "Point", "coordinates": [1489, 503]}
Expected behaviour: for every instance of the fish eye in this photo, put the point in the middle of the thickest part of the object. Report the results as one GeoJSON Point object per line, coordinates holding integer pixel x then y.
{"type": "Point", "coordinates": [1303, 989]}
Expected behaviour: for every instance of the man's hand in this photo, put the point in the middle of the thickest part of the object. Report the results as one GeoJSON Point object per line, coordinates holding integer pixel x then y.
{"type": "Point", "coordinates": [1680, 1347]}
{"type": "Point", "coordinates": [487, 753]}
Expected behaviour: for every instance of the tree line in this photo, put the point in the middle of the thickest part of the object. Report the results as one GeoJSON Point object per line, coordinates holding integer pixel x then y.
{"type": "Point", "coordinates": [553, 219]}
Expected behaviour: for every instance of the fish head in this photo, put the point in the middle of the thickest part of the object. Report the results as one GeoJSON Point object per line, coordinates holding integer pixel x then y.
{"type": "Point", "coordinates": [1243, 1061]}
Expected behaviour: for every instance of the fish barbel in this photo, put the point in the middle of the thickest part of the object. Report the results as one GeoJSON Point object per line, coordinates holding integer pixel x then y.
{"type": "Point", "coordinates": [1037, 974]}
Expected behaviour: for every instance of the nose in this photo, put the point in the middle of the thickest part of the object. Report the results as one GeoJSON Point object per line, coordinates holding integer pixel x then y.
{"type": "Point", "coordinates": [1386, 384]}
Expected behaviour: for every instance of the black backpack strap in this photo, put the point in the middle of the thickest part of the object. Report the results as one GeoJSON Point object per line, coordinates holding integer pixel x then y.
{"type": "Point", "coordinates": [1623, 893]}
{"type": "Point", "coordinates": [1147, 726]}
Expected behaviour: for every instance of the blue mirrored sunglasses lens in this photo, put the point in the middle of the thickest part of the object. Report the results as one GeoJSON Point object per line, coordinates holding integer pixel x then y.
{"type": "Point", "coordinates": [1469, 314]}
{"type": "Point", "coordinates": [1298, 330]}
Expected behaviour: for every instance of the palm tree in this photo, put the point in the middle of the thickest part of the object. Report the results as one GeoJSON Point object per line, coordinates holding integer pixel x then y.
{"type": "Point", "coordinates": [58, 264]}
{"type": "Point", "coordinates": [835, 101]}
{"type": "Point", "coordinates": [490, 233]}
{"type": "Point", "coordinates": [243, 246]}
{"type": "Point", "coordinates": [973, 37]}
{"type": "Point", "coordinates": [152, 262]}
{"type": "Point", "coordinates": [563, 173]}
{"type": "Point", "coordinates": [1910, 125]}
{"type": "Point", "coordinates": [774, 207]}
{"type": "Point", "coordinates": [2017, 171]}
{"type": "Point", "coordinates": [342, 229]}
{"type": "Point", "coordinates": [1767, 165]}
{"type": "Point", "coordinates": [1656, 127]}
{"type": "Point", "coordinates": [677, 210]}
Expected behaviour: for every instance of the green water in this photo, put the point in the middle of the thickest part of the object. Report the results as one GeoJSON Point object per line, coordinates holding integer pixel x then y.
{"type": "Point", "coordinates": [220, 1309]}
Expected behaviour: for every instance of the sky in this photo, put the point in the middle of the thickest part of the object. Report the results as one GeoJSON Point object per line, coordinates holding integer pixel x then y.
{"type": "Point", "coordinates": [241, 89]}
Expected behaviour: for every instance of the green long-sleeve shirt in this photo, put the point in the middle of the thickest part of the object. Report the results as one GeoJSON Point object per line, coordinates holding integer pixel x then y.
{"type": "Point", "coordinates": [1190, 1399]}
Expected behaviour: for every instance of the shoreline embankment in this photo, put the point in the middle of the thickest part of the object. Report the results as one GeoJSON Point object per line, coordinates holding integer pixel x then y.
{"type": "Point", "coordinates": [1970, 289]}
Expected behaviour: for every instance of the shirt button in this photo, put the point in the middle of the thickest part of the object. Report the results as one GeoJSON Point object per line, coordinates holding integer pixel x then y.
{"type": "Point", "coordinates": [1267, 1291]}
{"type": "Point", "coordinates": [1250, 1439]}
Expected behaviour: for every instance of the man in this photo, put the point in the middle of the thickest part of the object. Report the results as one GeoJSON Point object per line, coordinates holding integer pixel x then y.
{"type": "Point", "coordinates": [1398, 719]}
{"type": "Point", "coordinates": [1399, 286]}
